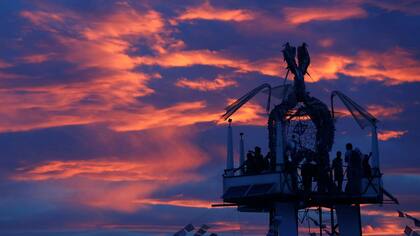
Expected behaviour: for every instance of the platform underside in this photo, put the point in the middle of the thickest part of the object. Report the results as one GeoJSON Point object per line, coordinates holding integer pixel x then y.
{"type": "Point", "coordinates": [263, 203]}
{"type": "Point", "coordinates": [258, 193]}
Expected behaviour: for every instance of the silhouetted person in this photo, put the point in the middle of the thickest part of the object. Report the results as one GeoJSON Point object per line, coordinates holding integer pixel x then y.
{"type": "Point", "coordinates": [259, 159]}
{"type": "Point", "coordinates": [337, 167]}
{"type": "Point", "coordinates": [308, 169]}
{"type": "Point", "coordinates": [354, 171]}
{"type": "Point", "coordinates": [322, 170]}
{"type": "Point", "coordinates": [250, 163]}
{"type": "Point", "coordinates": [347, 154]}
{"type": "Point", "coordinates": [367, 169]}
{"type": "Point", "coordinates": [349, 150]}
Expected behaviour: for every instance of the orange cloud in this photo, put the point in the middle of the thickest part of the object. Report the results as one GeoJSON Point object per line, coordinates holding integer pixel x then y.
{"type": "Point", "coordinates": [207, 12]}
{"type": "Point", "coordinates": [111, 96]}
{"type": "Point", "coordinates": [105, 46]}
{"type": "Point", "coordinates": [249, 114]}
{"type": "Point", "coordinates": [391, 134]}
{"type": "Point", "coordinates": [194, 203]}
{"type": "Point", "coordinates": [101, 44]}
{"type": "Point", "coordinates": [65, 105]}
{"type": "Point", "coordinates": [272, 67]}
{"type": "Point", "coordinates": [297, 16]}
{"type": "Point", "coordinates": [384, 112]}
{"type": "Point", "coordinates": [180, 114]}
{"type": "Point", "coordinates": [389, 228]}
{"type": "Point", "coordinates": [206, 85]}
{"type": "Point", "coordinates": [42, 18]}
{"type": "Point", "coordinates": [122, 182]}
{"type": "Point", "coordinates": [99, 169]}
{"type": "Point", "coordinates": [188, 113]}
{"type": "Point", "coordinates": [393, 66]}
{"type": "Point", "coordinates": [74, 103]}
{"type": "Point", "coordinates": [125, 23]}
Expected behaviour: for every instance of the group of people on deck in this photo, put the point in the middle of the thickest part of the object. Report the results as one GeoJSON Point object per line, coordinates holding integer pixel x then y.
{"type": "Point", "coordinates": [315, 167]}
{"type": "Point", "coordinates": [358, 167]}
{"type": "Point", "coordinates": [255, 162]}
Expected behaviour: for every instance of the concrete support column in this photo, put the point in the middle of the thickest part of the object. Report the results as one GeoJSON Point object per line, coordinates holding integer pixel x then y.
{"type": "Point", "coordinates": [349, 222]}
{"type": "Point", "coordinates": [279, 144]}
{"type": "Point", "coordinates": [286, 219]}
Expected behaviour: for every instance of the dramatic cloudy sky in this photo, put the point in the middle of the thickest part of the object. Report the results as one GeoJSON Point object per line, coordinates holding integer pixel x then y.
{"type": "Point", "coordinates": [109, 109]}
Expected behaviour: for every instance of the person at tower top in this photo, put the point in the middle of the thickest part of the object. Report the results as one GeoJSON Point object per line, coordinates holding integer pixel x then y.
{"type": "Point", "coordinates": [354, 171]}
{"type": "Point", "coordinates": [250, 163]}
{"type": "Point", "coordinates": [259, 159]}
{"type": "Point", "coordinates": [349, 150]}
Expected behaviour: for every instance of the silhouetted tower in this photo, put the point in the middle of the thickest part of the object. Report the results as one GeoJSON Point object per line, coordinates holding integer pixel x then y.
{"type": "Point", "coordinates": [298, 175]}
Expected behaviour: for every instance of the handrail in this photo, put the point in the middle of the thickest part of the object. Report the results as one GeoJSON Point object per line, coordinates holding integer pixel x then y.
{"type": "Point", "coordinates": [299, 179]}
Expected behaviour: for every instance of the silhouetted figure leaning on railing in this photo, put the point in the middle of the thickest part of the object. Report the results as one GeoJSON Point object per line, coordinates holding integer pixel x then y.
{"type": "Point", "coordinates": [250, 163]}
{"type": "Point", "coordinates": [322, 172]}
{"type": "Point", "coordinates": [337, 169]}
{"type": "Point", "coordinates": [354, 171]}
{"type": "Point", "coordinates": [259, 159]}
{"type": "Point", "coordinates": [255, 162]}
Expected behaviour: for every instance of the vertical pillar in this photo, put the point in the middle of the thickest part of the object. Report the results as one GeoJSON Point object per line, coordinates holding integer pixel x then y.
{"type": "Point", "coordinates": [320, 220]}
{"type": "Point", "coordinates": [279, 144]}
{"type": "Point", "coordinates": [286, 217]}
{"type": "Point", "coordinates": [272, 230]}
{"type": "Point", "coordinates": [375, 150]}
{"type": "Point", "coordinates": [229, 158]}
{"type": "Point", "coordinates": [349, 222]}
{"type": "Point", "coordinates": [241, 152]}
{"type": "Point", "coordinates": [332, 221]}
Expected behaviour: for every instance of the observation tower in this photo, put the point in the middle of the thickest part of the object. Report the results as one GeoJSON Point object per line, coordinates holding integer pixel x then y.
{"type": "Point", "coordinates": [296, 174]}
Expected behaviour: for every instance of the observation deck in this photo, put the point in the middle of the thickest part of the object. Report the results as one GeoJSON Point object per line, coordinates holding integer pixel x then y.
{"type": "Point", "coordinates": [257, 192]}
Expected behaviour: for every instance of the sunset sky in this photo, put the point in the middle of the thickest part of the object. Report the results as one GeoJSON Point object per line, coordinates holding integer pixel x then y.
{"type": "Point", "coordinates": [109, 110]}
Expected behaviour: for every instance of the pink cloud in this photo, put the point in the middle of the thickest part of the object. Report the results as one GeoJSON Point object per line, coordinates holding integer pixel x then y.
{"type": "Point", "coordinates": [391, 134]}
{"type": "Point", "coordinates": [172, 161]}
{"type": "Point", "coordinates": [326, 42]}
{"type": "Point", "coordinates": [36, 58]}
{"type": "Point", "coordinates": [270, 67]}
{"type": "Point", "coordinates": [4, 64]}
{"type": "Point", "coordinates": [297, 16]}
{"type": "Point", "coordinates": [206, 85]}
{"type": "Point", "coordinates": [394, 66]}
{"type": "Point", "coordinates": [208, 12]}
{"type": "Point", "coordinates": [180, 202]}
